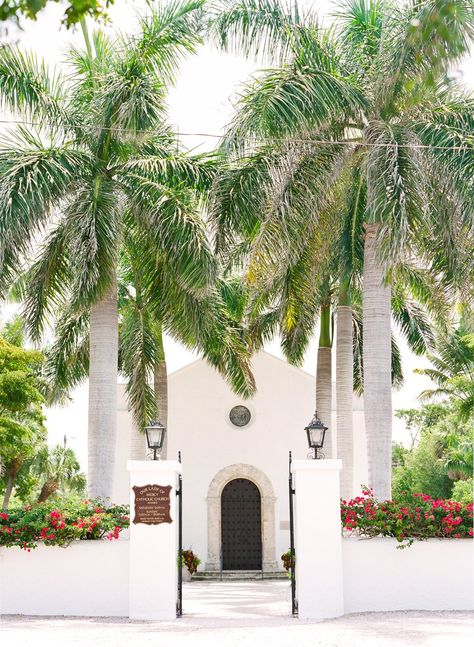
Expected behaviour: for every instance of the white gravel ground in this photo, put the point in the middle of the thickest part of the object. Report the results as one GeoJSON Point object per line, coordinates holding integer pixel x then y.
{"type": "Point", "coordinates": [243, 614]}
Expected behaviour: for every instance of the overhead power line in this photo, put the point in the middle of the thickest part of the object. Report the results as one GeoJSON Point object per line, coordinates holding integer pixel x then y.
{"type": "Point", "coordinates": [296, 140]}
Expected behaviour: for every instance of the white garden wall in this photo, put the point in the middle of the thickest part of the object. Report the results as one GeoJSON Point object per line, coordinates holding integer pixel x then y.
{"type": "Point", "coordinates": [437, 574]}
{"type": "Point", "coordinates": [88, 578]}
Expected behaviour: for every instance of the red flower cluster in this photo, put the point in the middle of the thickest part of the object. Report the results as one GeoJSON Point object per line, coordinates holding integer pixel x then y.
{"type": "Point", "coordinates": [416, 516]}
{"type": "Point", "coordinates": [52, 526]}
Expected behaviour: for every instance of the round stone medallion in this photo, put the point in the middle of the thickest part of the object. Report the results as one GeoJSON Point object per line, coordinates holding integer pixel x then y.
{"type": "Point", "coordinates": [239, 416]}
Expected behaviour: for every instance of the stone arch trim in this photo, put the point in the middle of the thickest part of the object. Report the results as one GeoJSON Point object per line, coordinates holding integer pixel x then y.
{"type": "Point", "coordinates": [220, 480]}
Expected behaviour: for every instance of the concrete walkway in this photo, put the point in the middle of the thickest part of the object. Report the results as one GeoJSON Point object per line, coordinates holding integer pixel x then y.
{"type": "Point", "coordinates": [243, 614]}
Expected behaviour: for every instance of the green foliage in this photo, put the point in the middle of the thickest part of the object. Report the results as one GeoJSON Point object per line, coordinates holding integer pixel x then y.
{"type": "Point", "coordinates": [21, 420]}
{"type": "Point", "coordinates": [58, 472]}
{"type": "Point", "coordinates": [410, 517]}
{"type": "Point", "coordinates": [463, 491]}
{"type": "Point", "coordinates": [104, 175]}
{"type": "Point", "coordinates": [60, 524]}
{"type": "Point", "coordinates": [75, 11]}
{"type": "Point", "coordinates": [441, 451]}
{"type": "Point", "coordinates": [453, 366]}
{"type": "Point", "coordinates": [343, 130]}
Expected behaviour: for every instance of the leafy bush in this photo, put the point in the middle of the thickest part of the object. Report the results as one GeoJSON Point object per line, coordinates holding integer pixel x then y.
{"type": "Point", "coordinates": [414, 516]}
{"type": "Point", "coordinates": [60, 525]}
{"type": "Point", "coordinates": [463, 491]}
{"type": "Point", "coordinates": [441, 452]}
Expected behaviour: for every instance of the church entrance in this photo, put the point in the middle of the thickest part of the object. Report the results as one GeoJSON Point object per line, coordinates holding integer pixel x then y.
{"type": "Point", "coordinates": [241, 526]}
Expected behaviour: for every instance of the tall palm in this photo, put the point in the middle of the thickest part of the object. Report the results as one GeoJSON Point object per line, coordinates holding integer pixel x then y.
{"type": "Point", "coordinates": [152, 301]}
{"type": "Point", "coordinates": [99, 153]}
{"type": "Point", "coordinates": [373, 109]}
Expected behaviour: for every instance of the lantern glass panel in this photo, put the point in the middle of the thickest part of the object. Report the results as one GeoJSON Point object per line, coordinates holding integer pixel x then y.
{"type": "Point", "coordinates": [154, 436]}
{"type": "Point", "coordinates": [316, 436]}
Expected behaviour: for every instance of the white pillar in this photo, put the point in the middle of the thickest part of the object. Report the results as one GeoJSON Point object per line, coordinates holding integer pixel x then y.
{"type": "Point", "coordinates": [153, 547]}
{"type": "Point", "coordinates": [318, 545]}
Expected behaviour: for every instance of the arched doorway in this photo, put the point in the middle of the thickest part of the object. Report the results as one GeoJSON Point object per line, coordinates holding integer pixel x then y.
{"type": "Point", "coordinates": [241, 526]}
{"type": "Point", "coordinates": [214, 517]}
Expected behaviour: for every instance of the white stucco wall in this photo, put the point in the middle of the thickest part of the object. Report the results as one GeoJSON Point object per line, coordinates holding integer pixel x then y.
{"type": "Point", "coordinates": [429, 575]}
{"type": "Point", "coordinates": [89, 578]}
{"type": "Point", "coordinates": [199, 426]}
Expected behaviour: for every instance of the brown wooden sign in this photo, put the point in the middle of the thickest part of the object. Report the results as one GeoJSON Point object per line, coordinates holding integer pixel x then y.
{"type": "Point", "coordinates": [152, 504]}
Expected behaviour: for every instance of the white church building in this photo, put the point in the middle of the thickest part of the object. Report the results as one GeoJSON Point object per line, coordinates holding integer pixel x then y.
{"type": "Point", "coordinates": [235, 459]}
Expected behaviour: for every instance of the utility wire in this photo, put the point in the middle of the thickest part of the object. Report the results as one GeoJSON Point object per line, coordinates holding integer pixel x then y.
{"type": "Point", "coordinates": [306, 140]}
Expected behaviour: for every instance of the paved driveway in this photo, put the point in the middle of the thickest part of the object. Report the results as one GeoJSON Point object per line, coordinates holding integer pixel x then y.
{"type": "Point", "coordinates": [243, 614]}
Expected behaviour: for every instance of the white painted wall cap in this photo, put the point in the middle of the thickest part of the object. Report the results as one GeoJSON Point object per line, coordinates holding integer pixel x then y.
{"type": "Point", "coordinates": [154, 466]}
{"type": "Point", "coordinates": [310, 465]}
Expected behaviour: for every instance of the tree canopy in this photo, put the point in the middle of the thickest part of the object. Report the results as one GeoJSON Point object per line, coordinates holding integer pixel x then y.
{"type": "Point", "coordinates": [75, 10]}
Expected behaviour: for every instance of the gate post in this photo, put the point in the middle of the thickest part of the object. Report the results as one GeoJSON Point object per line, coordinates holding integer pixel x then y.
{"type": "Point", "coordinates": [318, 545]}
{"type": "Point", "coordinates": [153, 539]}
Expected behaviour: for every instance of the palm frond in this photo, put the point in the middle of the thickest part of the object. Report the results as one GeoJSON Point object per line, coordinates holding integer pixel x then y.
{"type": "Point", "coordinates": [258, 28]}
{"type": "Point", "coordinates": [26, 86]}
{"type": "Point", "coordinates": [171, 218]}
{"type": "Point", "coordinates": [422, 41]}
{"type": "Point", "coordinates": [67, 359]}
{"type": "Point", "coordinates": [34, 179]}
{"type": "Point", "coordinates": [94, 230]}
{"type": "Point", "coordinates": [294, 101]}
{"type": "Point", "coordinates": [139, 355]}
{"type": "Point", "coordinates": [167, 33]}
{"type": "Point", "coordinates": [46, 283]}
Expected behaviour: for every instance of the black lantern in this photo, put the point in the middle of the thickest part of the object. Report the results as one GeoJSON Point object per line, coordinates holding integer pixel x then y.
{"type": "Point", "coordinates": [155, 435]}
{"type": "Point", "coordinates": [316, 432]}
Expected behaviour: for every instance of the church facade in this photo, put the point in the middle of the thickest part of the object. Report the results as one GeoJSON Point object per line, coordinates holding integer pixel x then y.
{"type": "Point", "coordinates": [235, 459]}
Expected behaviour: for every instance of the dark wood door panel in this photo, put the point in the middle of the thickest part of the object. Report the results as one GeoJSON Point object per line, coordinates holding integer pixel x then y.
{"type": "Point", "coordinates": [241, 526]}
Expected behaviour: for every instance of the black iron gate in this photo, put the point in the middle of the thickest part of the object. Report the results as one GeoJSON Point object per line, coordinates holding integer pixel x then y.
{"type": "Point", "coordinates": [179, 494]}
{"type": "Point", "coordinates": [291, 492]}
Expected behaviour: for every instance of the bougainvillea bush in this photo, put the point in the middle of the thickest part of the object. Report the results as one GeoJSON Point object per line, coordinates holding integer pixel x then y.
{"type": "Point", "coordinates": [59, 525]}
{"type": "Point", "coordinates": [412, 516]}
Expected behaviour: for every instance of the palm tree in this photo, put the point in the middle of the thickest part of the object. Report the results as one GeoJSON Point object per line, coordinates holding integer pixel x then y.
{"type": "Point", "coordinates": [453, 367]}
{"type": "Point", "coordinates": [152, 301]}
{"type": "Point", "coordinates": [374, 110]}
{"type": "Point", "coordinates": [99, 154]}
{"type": "Point", "coordinates": [58, 470]}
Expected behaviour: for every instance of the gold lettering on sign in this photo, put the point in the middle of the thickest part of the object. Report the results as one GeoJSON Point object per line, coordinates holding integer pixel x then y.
{"type": "Point", "coordinates": [152, 504]}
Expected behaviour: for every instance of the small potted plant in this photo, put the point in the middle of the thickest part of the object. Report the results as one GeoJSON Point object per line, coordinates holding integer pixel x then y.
{"type": "Point", "coordinates": [191, 561]}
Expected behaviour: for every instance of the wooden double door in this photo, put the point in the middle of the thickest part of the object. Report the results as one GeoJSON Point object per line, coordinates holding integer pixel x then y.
{"type": "Point", "coordinates": [241, 526]}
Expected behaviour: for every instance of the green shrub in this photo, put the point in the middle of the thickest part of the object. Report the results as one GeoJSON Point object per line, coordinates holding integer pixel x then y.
{"type": "Point", "coordinates": [463, 491]}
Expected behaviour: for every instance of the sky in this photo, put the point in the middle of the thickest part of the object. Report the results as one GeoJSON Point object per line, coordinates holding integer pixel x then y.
{"type": "Point", "coordinates": [201, 102]}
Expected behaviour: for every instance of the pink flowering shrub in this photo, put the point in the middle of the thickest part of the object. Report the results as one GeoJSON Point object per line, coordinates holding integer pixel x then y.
{"type": "Point", "coordinates": [414, 516]}
{"type": "Point", "coordinates": [59, 525]}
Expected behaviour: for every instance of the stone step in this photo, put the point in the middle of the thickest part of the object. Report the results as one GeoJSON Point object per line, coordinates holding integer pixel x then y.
{"type": "Point", "coordinates": [238, 575]}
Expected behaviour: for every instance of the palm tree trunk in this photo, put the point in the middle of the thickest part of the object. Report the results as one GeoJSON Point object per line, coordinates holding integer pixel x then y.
{"type": "Point", "coordinates": [12, 471]}
{"type": "Point", "coordinates": [103, 394]}
{"type": "Point", "coordinates": [8, 490]}
{"type": "Point", "coordinates": [49, 488]}
{"type": "Point", "coordinates": [377, 368]}
{"type": "Point", "coordinates": [344, 389]}
{"type": "Point", "coordinates": [324, 376]}
{"type": "Point", "coordinates": [160, 384]}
